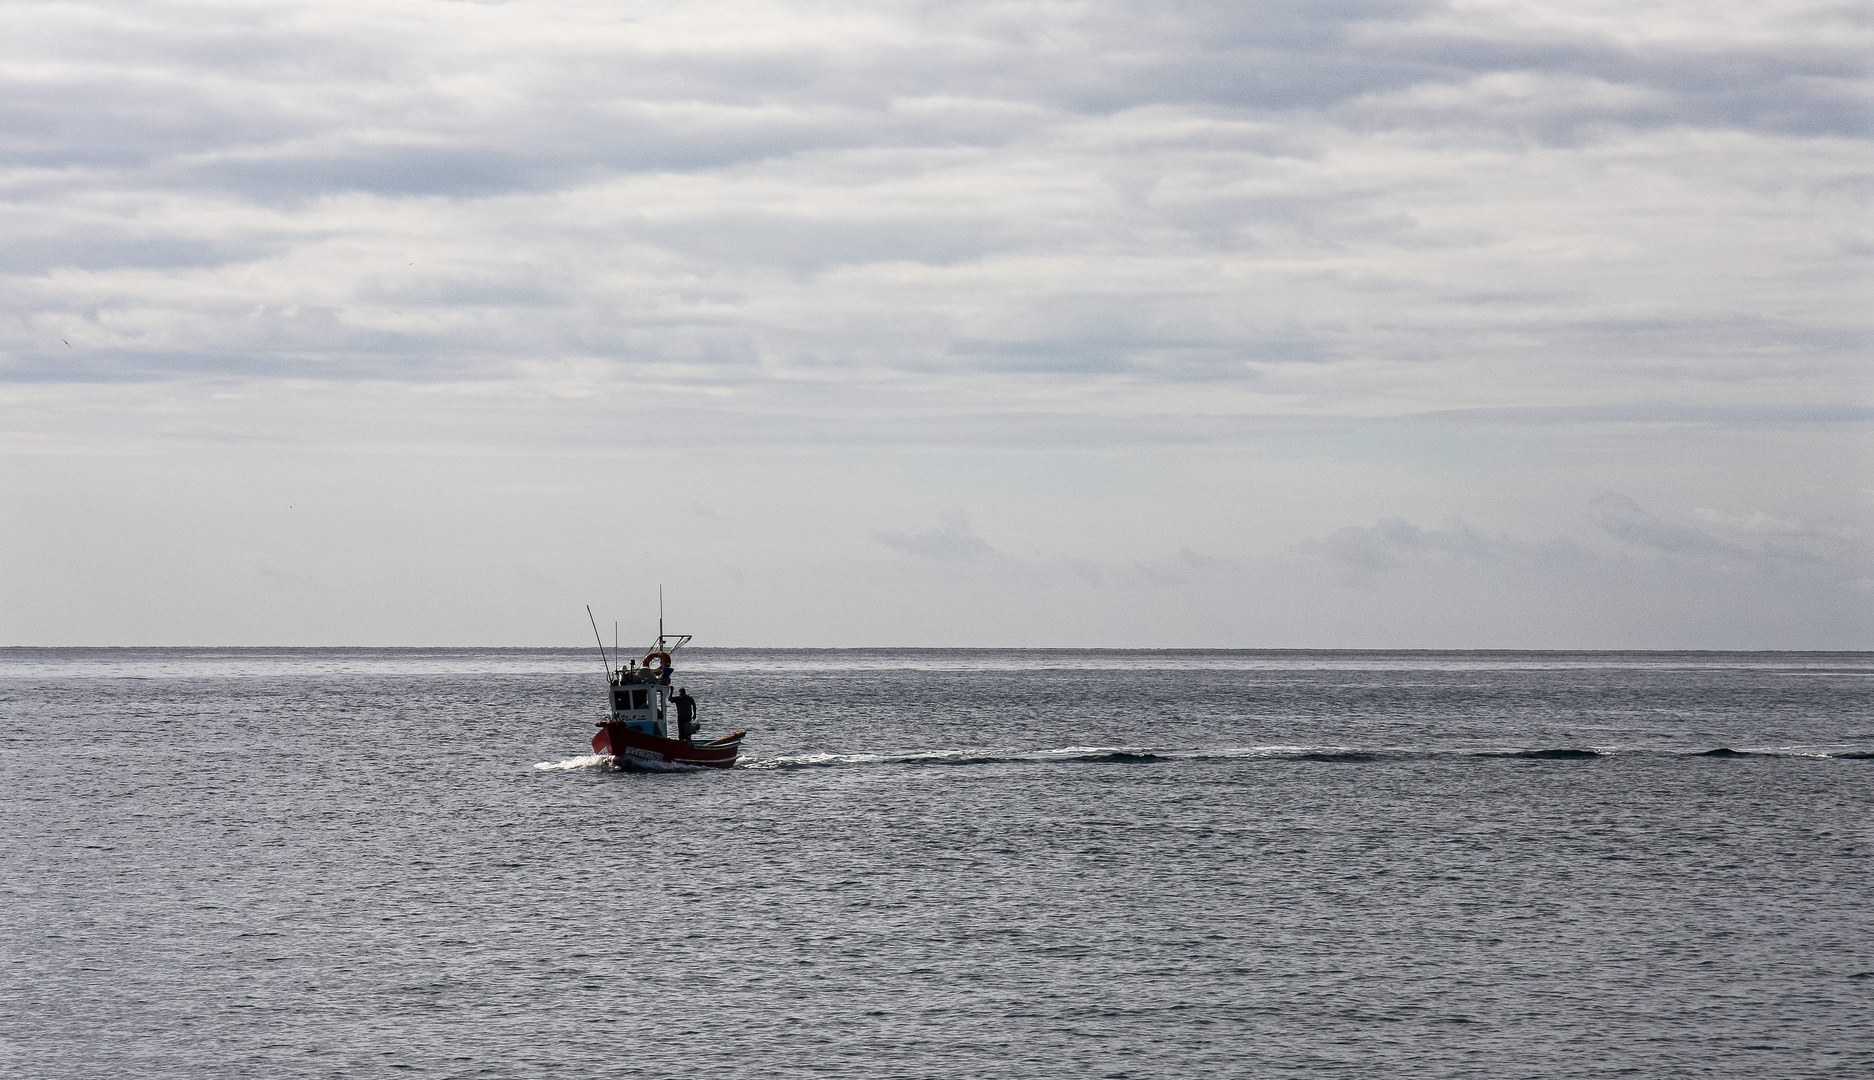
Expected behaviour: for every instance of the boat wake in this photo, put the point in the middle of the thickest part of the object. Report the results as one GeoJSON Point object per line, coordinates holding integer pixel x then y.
{"type": "Point", "coordinates": [1351, 755]}
{"type": "Point", "coordinates": [1060, 755]}
{"type": "Point", "coordinates": [1121, 755]}
{"type": "Point", "coordinates": [607, 763]}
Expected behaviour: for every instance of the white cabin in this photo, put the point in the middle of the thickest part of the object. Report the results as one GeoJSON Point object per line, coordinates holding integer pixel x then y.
{"type": "Point", "coordinates": [639, 698]}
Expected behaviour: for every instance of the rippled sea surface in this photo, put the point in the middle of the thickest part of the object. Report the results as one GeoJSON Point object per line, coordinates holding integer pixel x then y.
{"type": "Point", "coordinates": [340, 863]}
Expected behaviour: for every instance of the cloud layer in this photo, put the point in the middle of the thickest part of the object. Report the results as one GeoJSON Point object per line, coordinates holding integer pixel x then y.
{"type": "Point", "coordinates": [1127, 298]}
{"type": "Point", "coordinates": [1321, 206]}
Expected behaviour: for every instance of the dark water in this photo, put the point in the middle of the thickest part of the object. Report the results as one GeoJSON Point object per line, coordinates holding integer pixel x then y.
{"type": "Point", "coordinates": [337, 863]}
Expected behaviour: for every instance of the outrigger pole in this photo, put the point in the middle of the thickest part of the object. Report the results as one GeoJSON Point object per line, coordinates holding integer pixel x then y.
{"type": "Point", "coordinates": [596, 636]}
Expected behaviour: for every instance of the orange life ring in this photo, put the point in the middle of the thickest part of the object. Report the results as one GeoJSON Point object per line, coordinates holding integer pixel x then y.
{"type": "Point", "coordinates": [663, 659]}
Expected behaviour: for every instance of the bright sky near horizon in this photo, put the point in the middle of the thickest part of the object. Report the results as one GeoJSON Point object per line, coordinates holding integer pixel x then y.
{"type": "Point", "coordinates": [1336, 323]}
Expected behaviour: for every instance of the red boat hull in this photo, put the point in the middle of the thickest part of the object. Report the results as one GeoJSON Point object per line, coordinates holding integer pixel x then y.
{"type": "Point", "coordinates": [635, 749]}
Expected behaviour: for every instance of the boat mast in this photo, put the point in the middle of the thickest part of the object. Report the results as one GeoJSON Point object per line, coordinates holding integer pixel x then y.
{"type": "Point", "coordinates": [666, 643]}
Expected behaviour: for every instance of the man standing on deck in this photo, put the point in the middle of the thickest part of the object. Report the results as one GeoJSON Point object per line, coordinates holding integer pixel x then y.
{"type": "Point", "coordinates": [686, 713]}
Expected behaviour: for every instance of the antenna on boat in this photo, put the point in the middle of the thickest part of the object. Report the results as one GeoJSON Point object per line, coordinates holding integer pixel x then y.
{"type": "Point", "coordinates": [603, 662]}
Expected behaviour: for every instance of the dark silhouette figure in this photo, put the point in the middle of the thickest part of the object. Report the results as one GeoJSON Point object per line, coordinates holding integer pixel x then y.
{"type": "Point", "coordinates": [686, 713]}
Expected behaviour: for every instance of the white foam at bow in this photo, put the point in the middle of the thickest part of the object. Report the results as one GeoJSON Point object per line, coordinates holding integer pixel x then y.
{"type": "Point", "coordinates": [590, 761]}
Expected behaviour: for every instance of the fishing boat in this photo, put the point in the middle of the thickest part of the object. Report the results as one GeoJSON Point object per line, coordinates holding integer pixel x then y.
{"type": "Point", "coordinates": [634, 733]}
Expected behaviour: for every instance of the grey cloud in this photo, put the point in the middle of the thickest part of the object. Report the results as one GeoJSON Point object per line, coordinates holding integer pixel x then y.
{"type": "Point", "coordinates": [1169, 337]}
{"type": "Point", "coordinates": [1269, 57]}
{"type": "Point", "coordinates": [1324, 57]}
{"type": "Point", "coordinates": [1625, 519]}
{"type": "Point", "coordinates": [123, 121]}
{"type": "Point", "coordinates": [1747, 341]}
{"type": "Point", "coordinates": [1196, 188]}
{"type": "Point", "coordinates": [1382, 546]}
{"type": "Point", "coordinates": [1082, 354]}
{"type": "Point", "coordinates": [506, 287]}
{"type": "Point", "coordinates": [1839, 553]}
{"type": "Point", "coordinates": [1394, 543]}
{"type": "Point", "coordinates": [1182, 570]}
{"type": "Point", "coordinates": [32, 250]}
{"type": "Point", "coordinates": [951, 547]}
{"type": "Point", "coordinates": [289, 173]}
{"type": "Point", "coordinates": [950, 542]}
{"type": "Point", "coordinates": [116, 365]}
{"type": "Point", "coordinates": [809, 244]}
{"type": "Point", "coordinates": [1391, 543]}
{"type": "Point", "coordinates": [295, 342]}
{"type": "Point", "coordinates": [1741, 416]}
{"type": "Point", "coordinates": [1297, 251]}
{"type": "Point", "coordinates": [1159, 360]}
{"type": "Point", "coordinates": [518, 153]}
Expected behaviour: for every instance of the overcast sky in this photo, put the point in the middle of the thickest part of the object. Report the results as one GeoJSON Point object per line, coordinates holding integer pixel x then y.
{"type": "Point", "coordinates": [1308, 323]}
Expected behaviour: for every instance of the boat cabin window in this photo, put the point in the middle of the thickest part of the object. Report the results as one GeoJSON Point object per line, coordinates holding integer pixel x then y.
{"type": "Point", "coordinates": [632, 698]}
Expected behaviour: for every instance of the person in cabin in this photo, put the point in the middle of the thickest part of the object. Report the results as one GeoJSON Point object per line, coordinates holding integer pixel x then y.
{"type": "Point", "coordinates": [686, 713]}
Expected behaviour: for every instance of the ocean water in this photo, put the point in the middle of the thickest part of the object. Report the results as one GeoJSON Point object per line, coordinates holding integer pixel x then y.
{"type": "Point", "coordinates": [944, 864]}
